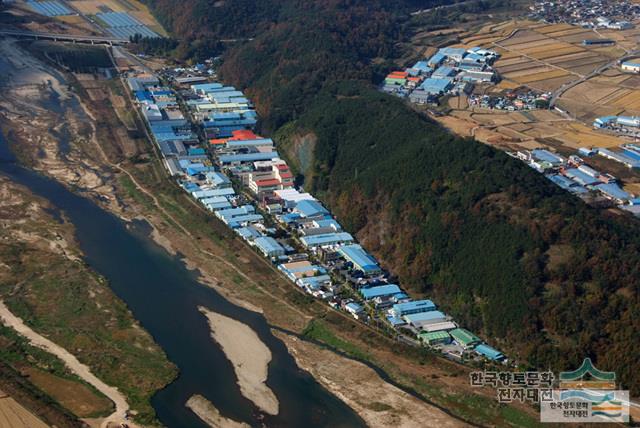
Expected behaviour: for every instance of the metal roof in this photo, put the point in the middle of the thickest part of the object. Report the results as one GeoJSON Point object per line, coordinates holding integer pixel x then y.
{"type": "Point", "coordinates": [380, 291]}
{"type": "Point", "coordinates": [359, 257]}
{"type": "Point", "coordinates": [326, 239]}
{"type": "Point", "coordinates": [488, 352]}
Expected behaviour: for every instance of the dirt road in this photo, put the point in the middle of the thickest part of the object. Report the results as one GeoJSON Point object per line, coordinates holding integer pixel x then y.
{"type": "Point", "coordinates": [121, 405]}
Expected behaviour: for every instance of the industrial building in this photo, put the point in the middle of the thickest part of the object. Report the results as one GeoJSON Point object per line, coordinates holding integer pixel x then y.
{"type": "Point", "coordinates": [631, 66]}
{"type": "Point", "coordinates": [327, 239]}
{"type": "Point", "coordinates": [361, 259]}
{"type": "Point", "coordinates": [413, 307]}
{"type": "Point", "coordinates": [269, 247]}
{"type": "Point", "coordinates": [435, 338]}
{"type": "Point", "coordinates": [465, 338]}
{"type": "Point", "coordinates": [488, 352]}
{"type": "Point", "coordinates": [420, 319]}
{"type": "Point", "coordinates": [387, 290]}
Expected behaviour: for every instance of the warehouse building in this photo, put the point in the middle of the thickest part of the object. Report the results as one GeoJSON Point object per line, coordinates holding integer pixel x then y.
{"type": "Point", "coordinates": [420, 319]}
{"type": "Point", "coordinates": [413, 307]}
{"type": "Point", "coordinates": [361, 259]}
{"type": "Point", "coordinates": [465, 338]}
{"type": "Point", "coordinates": [440, 326]}
{"type": "Point", "coordinates": [387, 290]}
{"type": "Point", "coordinates": [631, 66]}
{"type": "Point", "coordinates": [338, 238]}
{"type": "Point", "coordinates": [488, 352]}
{"type": "Point", "coordinates": [435, 338]}
{"type": "Point", "coordinates": [547, 156]}
{"type": "Point", "coordinates": [269, 246]}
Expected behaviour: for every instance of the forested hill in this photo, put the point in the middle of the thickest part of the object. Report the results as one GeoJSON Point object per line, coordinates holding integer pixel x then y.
{"type": "Point", "coordinates": [511, 256]}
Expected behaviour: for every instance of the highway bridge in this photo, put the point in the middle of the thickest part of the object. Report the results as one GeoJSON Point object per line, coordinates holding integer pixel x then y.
{"type": "Point", "coordinates": [92, 40]}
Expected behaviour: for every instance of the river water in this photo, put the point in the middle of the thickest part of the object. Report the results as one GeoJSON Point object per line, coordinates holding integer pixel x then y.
{"type": "Point", "coordinates": [164, 296]}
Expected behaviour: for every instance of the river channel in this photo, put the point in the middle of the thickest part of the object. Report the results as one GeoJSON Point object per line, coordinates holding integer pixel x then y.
{"type": "Point", "coordinates": [164, 296]}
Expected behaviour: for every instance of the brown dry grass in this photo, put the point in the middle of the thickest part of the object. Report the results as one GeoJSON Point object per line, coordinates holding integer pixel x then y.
{"type": "Point", "coordinates": [76, 397]}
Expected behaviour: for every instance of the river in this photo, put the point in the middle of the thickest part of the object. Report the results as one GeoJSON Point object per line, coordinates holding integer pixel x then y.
{"type": "Point", "coordinates": [164, 296]}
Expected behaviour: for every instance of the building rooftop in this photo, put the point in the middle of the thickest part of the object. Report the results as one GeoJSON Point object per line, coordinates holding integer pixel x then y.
{"type": "Point", "coordinates": [380, 291]}
{"type": "Point", "coordinates": [464, 337]}
{"type": "Point", "coordinates": [326, 239]}
{"type": "Point", "coordinates": [359, 257]}
{"type": "Point", "coordinates": [489, 352]}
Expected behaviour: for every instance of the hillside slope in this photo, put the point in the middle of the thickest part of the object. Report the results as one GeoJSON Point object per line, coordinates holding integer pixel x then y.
{"type": "Point", "coordinates": [507, 253]}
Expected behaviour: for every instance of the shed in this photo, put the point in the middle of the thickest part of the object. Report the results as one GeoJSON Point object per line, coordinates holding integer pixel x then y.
{"type": "Point", "coordinates": [269, 246]}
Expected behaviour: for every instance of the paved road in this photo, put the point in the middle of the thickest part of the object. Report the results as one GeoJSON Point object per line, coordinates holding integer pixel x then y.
{"type": "Point", "coordinates": [77, 38]}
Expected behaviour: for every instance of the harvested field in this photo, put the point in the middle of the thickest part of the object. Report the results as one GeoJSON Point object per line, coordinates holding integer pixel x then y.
{"type": "Point", "coordinates": [552, 84]}
{"type": "Point", "coordinates": [570, 31]}
{"type": "Point", "coordinates": [552, 51]}
{"type": "Point", "coordinates": [572, 57]}
{"type": "Point", "coordinates": [514, 61]}
{"type": "Point", "coordinates": [534, 70]}
{"type": "Point", "coordinates": [554, 45]}
{"type": "Point", "coordinates": [524, 36]}
{"type": "Point", "coordinates": [629, 101]}
{"type": "Point", "coordinates": [614, 96]}
{"type": "Point", "coordinates": [554, 28]}
{"type": "Point", "coordinates": [594, 62]}
{"type": "Point", "coordinates": [587, 69]}
{"type": "Point", "coordinates": [533, 45]}
{"type": "Point", "coordinates": [590, 92]}
{"type": "Point", "coordinates": [541, 76]}
{"type": "Point", "coordinates": [74, 396]}
{"type": "Point", "coordinates": [522, 65]}
{"type": "Point", "coordinates": [14, 415]}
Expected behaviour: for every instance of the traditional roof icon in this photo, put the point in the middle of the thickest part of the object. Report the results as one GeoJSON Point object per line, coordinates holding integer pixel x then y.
{"type": "Point", "coordinates": [587, 367]}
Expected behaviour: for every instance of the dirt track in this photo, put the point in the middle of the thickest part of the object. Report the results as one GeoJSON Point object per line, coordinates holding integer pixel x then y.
{"type": "Point", "coordinates": [121, 405]}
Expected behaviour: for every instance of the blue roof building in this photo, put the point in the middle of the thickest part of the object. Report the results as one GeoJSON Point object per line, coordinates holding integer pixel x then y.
{"type": "Point", "coordinates": [436, 86]}
{"type": "Point", "coordinates": [489, 352]}
{"type": "Point", "coordinates": [456, 54]}
{"type": "Point", "coordinates": [380, 291]}
{"type": "Point", "coordinates": [414, 307]}
{"type": "Point", "coordinates": [436, 60]}
{"type": "Point", "coordinates": [581, 177]}
{"type": "Point", "coordinates": [269, 246]}
{"type": "Point", "coordinates": [326, 239]}
{"type": "Point", "coordinates": [613, 191]}
{"type": "Point", "coordinates": [547, 156]}
{"type": "Point", "coordinates": [360, 258]}
{"type": "Point", "coordinates": [423, 318]}
{"type": "Point", "coordinates": [443, 71]}
{"type": "Point", "coordinates": [309, 208]}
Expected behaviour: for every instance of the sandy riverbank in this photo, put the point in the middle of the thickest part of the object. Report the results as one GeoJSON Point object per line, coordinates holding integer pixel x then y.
{"type": "Point", "coordinates": [210, 415]}
{"type": "Point", "coordinates": [378, 402]}
{"type": "Point", "coordinates": [249, 356]}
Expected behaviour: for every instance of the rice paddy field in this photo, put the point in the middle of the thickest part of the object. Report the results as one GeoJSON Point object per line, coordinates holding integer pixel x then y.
{"type": "Point", "coordinates": [545, 57]}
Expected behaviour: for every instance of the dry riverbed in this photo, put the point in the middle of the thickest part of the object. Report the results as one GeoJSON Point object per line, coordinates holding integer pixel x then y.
{"type": "Point", "coordinates": [249, 356]}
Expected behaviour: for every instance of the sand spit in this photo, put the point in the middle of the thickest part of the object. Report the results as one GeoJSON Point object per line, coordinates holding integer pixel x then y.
{"type": "Point", "coordinates": [249, 356]}
{"type": "Point", "coordinates": [210, 415]}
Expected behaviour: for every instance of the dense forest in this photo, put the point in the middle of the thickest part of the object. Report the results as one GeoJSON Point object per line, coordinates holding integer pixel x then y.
{"type": "Point", "coordinates": [532, 269]}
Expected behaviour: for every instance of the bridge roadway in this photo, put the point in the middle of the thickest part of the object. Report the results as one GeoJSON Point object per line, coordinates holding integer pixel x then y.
{"type": "Point", "coordinates": [93, 40]}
